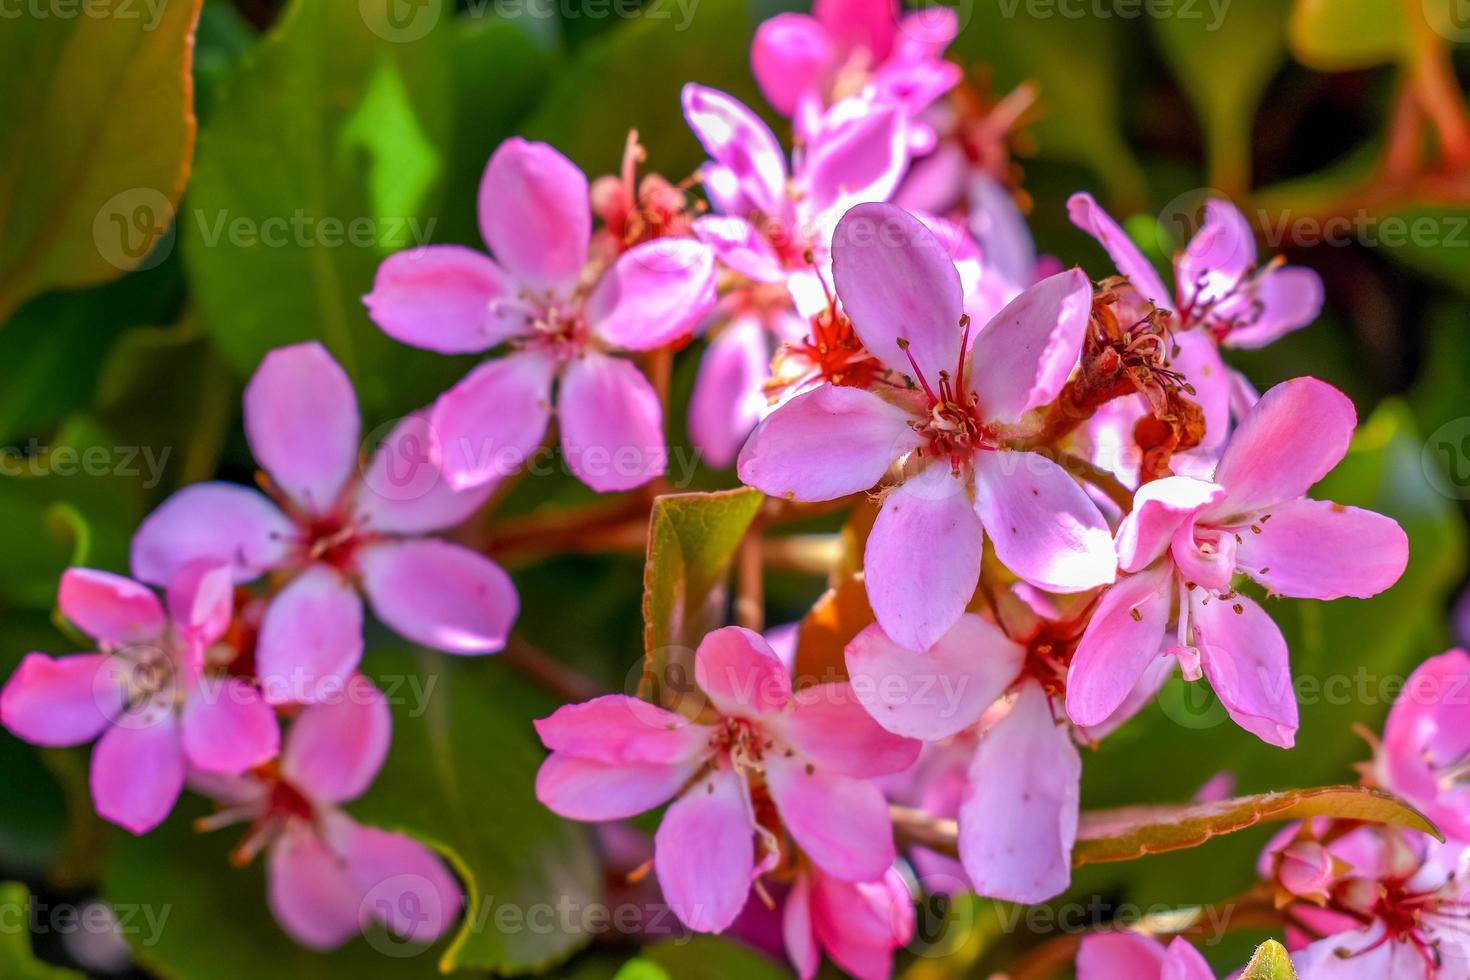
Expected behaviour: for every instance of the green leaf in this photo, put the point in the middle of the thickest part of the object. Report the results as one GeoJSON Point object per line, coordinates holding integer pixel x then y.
{"type": "Point", "coordinates": [323, 156]}
{"type": "Point", "coordinates": [460, 776]}
{"type": "Point", "coordinates": [17, 962]}
{"type": "Point", "coordinates": [641, 969]}
{"type": "Point", "coordinates": [1224, 64]}
{"type": "Point", "coordinates": [691, 539]}
{"type": "Point", "coordinates": [1343, 35]}
{"type": "Point", "coordinates": [1271, 962]}
{"type": "Point", "coordinates": [711, 958]}
{"type": "Point", "coordinates": [1132, 832]}
{"type": "Point", "coordinates": [94, 158]}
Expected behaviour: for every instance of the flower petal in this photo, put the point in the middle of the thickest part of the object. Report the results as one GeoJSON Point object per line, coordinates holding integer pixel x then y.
{"type": "Point", "coordinates": [1289, 298]}
{"type": "Point", "coordinates": [740, 144]}
{"type": "Point", "coordinates": [741, 674]}
{"type": "Point", "coordinates": [826, 443]}
{"type": "Point", "coordinates": [1218, 256]}
{"type": "Point", "coordinates": [444, 298]}
{"type": "Point", "coordinates": [612, 426]}
{"type": "Point", "coordinates": [704, 852]}
{"type": "Point", "coordinates": [403, 491]}
{"type": "Point", "coordinates": [1087, 215]}
{"type": "Point", "coordinates": [218, 521]}
{"type": "Point", "coordinates": [831, 727]}
{"type": "Point", "coordinates": [486, 425]}
{"type": "Point", "coordinates": [310, 638]}
{"type": "Point", "coordinates": [868, 24]}
{"type": "Point", "coordinates": [201, 601]}
{"type": "Point", "coordinates": [790, 56]}
{"type": "Point", "coordinates": [535, 214]}
{"type": "Point", "coordinates": [936, 693]}
{"type": "Point", "coordinates": [1018, 820]}
{"type": "Point", "coordinates": [138, 773]}
{"type": "Point", "coordinates": [588, 789]}
{"type": "Point", "coordinates": [1120, 956]}
{"type": "Point", "coordinates": [654, 294]}
{"type": "Point", "coordinates": [404, 885]}
{"type": "Point", "coordinates": [439, 594]}
{"type": "Point", "coordinates": [111, 609]}
{"type": "Point", "coordinates": [1021, 359]}
{"type": "Point", "coordinates": [1197, 358]}
{"type": "Point", "coordinates": [1315, 549]}
{"type": "Point", "coordinates": [1043, 525]}
{"type": "Point", "coordinates": [898, 284]}
{"type": "Point", "coordinates": [728, 399]}
{"type": "Point", "coordinates": [335, 748]}
{"type": "Point", "coordinates": [740, 246]}
{"type": "Point", "coordinates": [1297, 432]}
{"type": "Point", "coordinates": [227, 727]}
{"type": "Point", "coordinates": [1245, 657]}
{"type": "Point", "coordinates": [60, 701]}
{"type": "Point", "coordinates": [302, 423]}
{"type": "Point", "coordinates": [310, 890]}
{"type": "Point", "coordinates": [860, 154]}
{"type": "Point", "coordinates": [1160, 507]}
{"type": "Point", "coordinates": [841, 823]}
{"type": "Point", "coordinates": [617, 728]}
{"type": "Point", "coordinates": [1124, 636]}
{"type": "Point", "coordinates": [796, 917]}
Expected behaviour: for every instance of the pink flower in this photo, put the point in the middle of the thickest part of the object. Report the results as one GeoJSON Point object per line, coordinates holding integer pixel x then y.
{"type": "Point", "coordinates": [858, 924]}
{"type": "Point", "coordinates": [1426, 743]}
{"type": "Point", "coordinates": [768, 761]}
{"type": "Point", "coordinates": [146, 695]}
{"type": "Point", "coordinates": [949, 430]}
{"type": "Point", "coordinates": [327, 876]}
{"type": "Point", "coordinates": [1185, 540]}
{"type": "Point", "coordinates": [850, 45]}
{"type": "Point", "coordinates": [563, 315]}
{"type": "Point", "coordinates": [331, 532]}
{"type": "Point", "coordinates": [1134, 956]}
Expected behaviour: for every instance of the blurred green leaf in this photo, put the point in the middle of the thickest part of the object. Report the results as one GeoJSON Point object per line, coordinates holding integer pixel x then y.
{"type": "Point", "coordinates": [641, 969]}
{"type": "Point", "coordinates": [711, 958]}
{"type": "Point", "coordinates": [324, 156]}
{"type": "Point", "coordinates": [17, 962]}
{"type": "Point", "coordinates": [1341, 35]}
{"type": "Point", "coordinates": [460, 776]}
{"type": "Point", "coordinates": [94, 158]}
{"type": "Point", "coordinates": [691, 539]}
{"type": "Point", "coordinates": [1271, 962]}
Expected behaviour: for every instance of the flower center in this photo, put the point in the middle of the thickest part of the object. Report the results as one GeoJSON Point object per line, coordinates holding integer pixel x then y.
{"type": "Point", "coordinates": [332, 540]}
{"type": "Point", "coordinates": [953, 427]}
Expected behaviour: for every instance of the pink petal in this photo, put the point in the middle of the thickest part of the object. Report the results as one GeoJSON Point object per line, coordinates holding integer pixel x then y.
{"type": "Point", "coordinates": [335, 748]}
{"type": "Point", "coordinates": [218, 521]}
{"type": "Point", "coordinates": [1427, 730]}
{"type": "Point", "coordinates": [1018, 821]}
{"type": "Point", "coordinates": [790, 56]}
{"type": "Point", "coordinates": [998, 226]}
{"type": "Point", "coordinates": [310, 638]}
{"type": "Point", "coordinates": [1198, 359]}
{"type": "Point", "coordinates": [535, 215]}
{"type": "Point", "coordinates": [60, 701]}
{"type": "Point", "coordinates": [1124, 636]}
{"type": "Point", "coordinates": [403, 491]}
{"type": "Point", "coordinates": [612, 427]}
{"type": "Point", "coordinates": [1087, 215]}
{"type": "Point", "coordinates": [302, 423]}
{"type": "Point", "coordinates": [740, 246]}
{"type": "Point", "coordinates": [1221, 252]}
{"type": "Point", "coordinates": [1297, 432]}
{"type": "Point", "coordinates": [796, 917]}
{"type": "Point", "coordinates": [897, 283]}
{"type": "Point", "coordinates": [728, 399]}
{"type": "Point", "coordinates": [831, 727]}
{"type": "Point", "coordinates": [654, 294]}
{"type": "Point", "coordinates": [841, 823]}
{"type": "Point", "coordinates": [1160, 507]}
{"type": "Point", "coordinates": [1315, 549]}
{"type": "Point", "coordinates": [1363, 954]}
{"type": "Point", "coordinates": [113, 610]}
{"type": "Point", "coordinates": [1183, 962]}
{"type": "Point", "coordinates": [587, 789]}
{"type": "Point", "coordinates": [740, 144]}
{"type": "Point", "coordinates": [1244, 656]}
{"type": "Point", "coordinates": [616, 728]}
{"type": "Point", "coordinates": [741, 674]}
{"type": "Point", "coordinates": [444, 298]}
{"type": "Point", "coordinates": [1043, 525]}
{"type": "Point", "coordinates": [227, 727]}
{"type": "Point", "coordinates": [138, 773]}
{"type": "Point", "coordinates": [404, 885]}
{"type": "Point", "coordinates": [868, 24]}
{"type": "Point", "coordinates": [310, 890]}
{"type": "Point", "coordinates": [201, 600]}
{"type": "Point", "coordinates": [939, 692]}
{"type": "Point", "coordinates": [704, 852]}
{"type": "Point", "coordinates": [860, 924]}
{"type": "Point", "coordinates": [1120, 956]}
{"type": "Point", "coordinates": [486, 425]}
{"type": "Point", "coordinates": [826, 443]}
{"type": "Point", "coordinates": [855, 159]}
{"type": "Point", "coordinates": [925, 32]}
{"type": "Point", "coordinates": [922, 560]}
{"type": "Point", "coordinates": [1289, 298]}
{"type": "Point", "coordinates": [440, 595]}
{"type": "Point", "coordinates": [1021, 359]}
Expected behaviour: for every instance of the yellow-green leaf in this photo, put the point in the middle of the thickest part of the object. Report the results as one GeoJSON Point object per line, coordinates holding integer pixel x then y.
{"type": "Point", "coordinates": [17, 962]}
{"type": "Point", "coordinates": [1270, 962]}
{"type": "Point", "coordinates": [1342, 35]}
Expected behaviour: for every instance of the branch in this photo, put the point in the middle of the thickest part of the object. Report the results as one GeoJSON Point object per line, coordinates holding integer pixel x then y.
{"type": "Point", "coordinates": [549, 674]}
